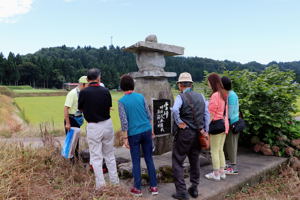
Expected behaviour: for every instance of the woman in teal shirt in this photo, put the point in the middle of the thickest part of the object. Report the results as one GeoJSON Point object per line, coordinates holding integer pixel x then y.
{"type": "Point", "coordinates": [231, 142]}
{"type": "Point", "coordinates": [137, 131]}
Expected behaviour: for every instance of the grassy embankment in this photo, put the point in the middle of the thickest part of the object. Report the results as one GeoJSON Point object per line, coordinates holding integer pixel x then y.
{"type": "Point", "coordinates": [284, 185]}
{"type": "Point", "coordinates": [10, 118]}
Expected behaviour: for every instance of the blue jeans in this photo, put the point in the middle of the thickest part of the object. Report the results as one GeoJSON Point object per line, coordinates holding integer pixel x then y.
{"type": "Point", "coordinates": [135, 141]}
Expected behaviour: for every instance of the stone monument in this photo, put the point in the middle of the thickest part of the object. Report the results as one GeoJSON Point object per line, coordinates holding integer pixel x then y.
{"type": "Point", "coordinates": [152, 81]}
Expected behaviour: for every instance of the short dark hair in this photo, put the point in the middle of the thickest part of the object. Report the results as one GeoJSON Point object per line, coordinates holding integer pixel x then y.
{"type": "Point", "coordinates": [126, 83]}
{"type": "Point", "coordinates": [226, 83]}
{"type": "Point", "coordinates": [93, 74]}
{"type": "Point", "coordinates": [186, 84]}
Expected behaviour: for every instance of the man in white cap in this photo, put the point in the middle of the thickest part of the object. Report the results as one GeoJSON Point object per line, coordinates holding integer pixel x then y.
{"type": "Point", "coordinates": [72, 116]}
{"type": "Point", "coordinates": [190, 115]}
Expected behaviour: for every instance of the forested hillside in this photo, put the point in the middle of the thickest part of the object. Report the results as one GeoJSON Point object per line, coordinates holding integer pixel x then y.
{"type": "Point", "coordinates": [51, 67]}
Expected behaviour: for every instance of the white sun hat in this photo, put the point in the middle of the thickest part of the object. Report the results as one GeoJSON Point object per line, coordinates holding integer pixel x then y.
{"type": "Point", "coordinates": [185, 77]}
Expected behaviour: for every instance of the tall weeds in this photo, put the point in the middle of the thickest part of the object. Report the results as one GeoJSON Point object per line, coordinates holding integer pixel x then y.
{"type": "Point", "coordinates": [41, 173]}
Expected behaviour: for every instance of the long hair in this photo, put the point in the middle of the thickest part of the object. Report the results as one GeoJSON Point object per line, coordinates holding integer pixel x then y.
{"type": "Point", "coordinates": [217, 86]}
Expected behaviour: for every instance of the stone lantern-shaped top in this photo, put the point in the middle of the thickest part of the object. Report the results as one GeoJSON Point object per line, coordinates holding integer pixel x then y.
{"type": "Point", "coordinates": [150, 57]}
{"type": "Point", "coordinates": [152, 81]}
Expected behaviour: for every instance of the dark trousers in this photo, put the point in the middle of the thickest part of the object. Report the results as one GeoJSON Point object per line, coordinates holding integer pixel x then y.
{"type": "Point", "coordinates": [135, 142]}
{"type": "Point", "coordinates": [73, 123]}
{"type": "Point", "coordinates": [185, 144]}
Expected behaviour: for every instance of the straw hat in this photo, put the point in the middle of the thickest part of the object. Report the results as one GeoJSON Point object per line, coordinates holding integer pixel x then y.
{"type": "Point", "coordinates": [185, 77]}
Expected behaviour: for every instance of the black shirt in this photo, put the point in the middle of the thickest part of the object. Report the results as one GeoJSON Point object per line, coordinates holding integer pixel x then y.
{"type": "Point", "coordinates": [95, 102]}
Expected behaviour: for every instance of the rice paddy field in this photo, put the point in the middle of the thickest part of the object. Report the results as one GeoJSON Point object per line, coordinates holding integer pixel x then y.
{"type": "Point", "coordinates": [37, 90]}
{"type": "Point", "coordinates": [37, 110]}
{"type": "Point", "coordinates": [40, 109]}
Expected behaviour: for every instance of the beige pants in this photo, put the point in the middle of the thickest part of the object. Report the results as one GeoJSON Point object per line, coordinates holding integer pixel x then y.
{"type": "Point", "coordinates": [216, 150]}
{"type": "Point", "coordinates": [100, 137]}
{"type": "Point", "coordinates": [231, 147]}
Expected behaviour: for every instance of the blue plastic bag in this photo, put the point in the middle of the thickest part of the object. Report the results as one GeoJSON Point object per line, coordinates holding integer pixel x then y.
{"type": "Point", "coordinates": [70, 143]}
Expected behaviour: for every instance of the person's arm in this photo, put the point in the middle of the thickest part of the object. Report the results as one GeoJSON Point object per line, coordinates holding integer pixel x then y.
{"type": "Point", "coordinates": [147, 110]}
{"type": "Point", "coordinates": [124, 124]}
{"type": "Point", "coordinates": [213, 105]}
{"type": "Point", "coordinates": [149, 116]}
{"type": "Point", "coordinates": [206, 115]}
{"type": "Point", "coordinates": [176, 112]}
{"type": "Point", "coordinates": [233, 107]}
{"type": "Point", "coordinates": [80, 101]}
{"type": "Point", "coordinates": [110, 101]}
{"type": "Point", "coordinates": [68, 105]}
{"type": "Point", "coordinates": [67, 119]}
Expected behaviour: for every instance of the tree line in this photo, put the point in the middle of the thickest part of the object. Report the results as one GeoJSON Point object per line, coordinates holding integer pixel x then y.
{"type": "Point", "coordinates": [51, 67]}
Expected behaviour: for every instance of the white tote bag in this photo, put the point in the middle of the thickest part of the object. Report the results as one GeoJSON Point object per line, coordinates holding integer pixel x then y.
{"type": "Point", "coordinates": [70, 143]}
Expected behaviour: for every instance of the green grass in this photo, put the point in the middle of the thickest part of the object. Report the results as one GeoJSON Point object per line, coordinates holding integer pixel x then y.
{"type": "Point", "coordinates": [19, 87]}
{"type": "Point", "coordinates": [36, 90]}
{"type": "Point", "coordinates": [298, 105]}
{"type": "Point", "coordinates": [50, 109]}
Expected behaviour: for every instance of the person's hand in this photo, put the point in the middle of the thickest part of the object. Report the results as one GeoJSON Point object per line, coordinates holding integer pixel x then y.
{"type": "Point", "coordinates": [203, 132]}
{"type": "Point", "coordinates": [126, 143]}
{"type": "Point", "coordinates": [68, 126]}
{"type": "Point", "coordinates": [153, 135]}
{"type": "Point", "coordinates": [182, 125]}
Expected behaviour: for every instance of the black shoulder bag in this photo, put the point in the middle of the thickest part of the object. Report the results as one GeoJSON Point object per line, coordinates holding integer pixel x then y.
{"type": "Point", "coordinates": [238, 126]}
{"type": "Point", "coordinates": [218, 126]}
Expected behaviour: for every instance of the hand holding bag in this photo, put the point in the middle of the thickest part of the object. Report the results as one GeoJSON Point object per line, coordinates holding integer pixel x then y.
{"type": "Point", "coordinates": [203, 140]}
{"type": "Point", "coordinates": [202, 137]}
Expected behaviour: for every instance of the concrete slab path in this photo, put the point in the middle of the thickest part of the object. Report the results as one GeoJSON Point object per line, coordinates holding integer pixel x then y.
{"type": "Point", "coordinates": [253, 168]}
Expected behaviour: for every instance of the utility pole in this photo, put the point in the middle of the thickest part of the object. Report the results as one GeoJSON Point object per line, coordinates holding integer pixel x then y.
{"type": "Point", "coordinates": [111, 40]}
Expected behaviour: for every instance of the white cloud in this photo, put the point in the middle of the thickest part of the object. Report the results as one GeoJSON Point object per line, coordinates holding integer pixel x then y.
{"type": "Point", "coordinates": [12, 8]}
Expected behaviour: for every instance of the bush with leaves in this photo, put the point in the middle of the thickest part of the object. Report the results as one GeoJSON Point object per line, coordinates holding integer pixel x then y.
{"type": "Point", "coordinates": [267, 101]}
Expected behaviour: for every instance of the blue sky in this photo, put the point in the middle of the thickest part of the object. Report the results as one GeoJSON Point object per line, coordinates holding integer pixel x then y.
{"type": "Point", "coordinates": [238, 30]}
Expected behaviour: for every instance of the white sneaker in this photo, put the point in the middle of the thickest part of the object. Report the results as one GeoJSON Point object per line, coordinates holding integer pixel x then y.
{"type": "Point", "coordinates": [223, 176]}
{"type": "Point", "coordinates": [212, 176]}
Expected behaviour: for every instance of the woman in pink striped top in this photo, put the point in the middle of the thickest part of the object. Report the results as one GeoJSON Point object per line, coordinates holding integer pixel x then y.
{"type": "Point", "coordinates": [217, 108]}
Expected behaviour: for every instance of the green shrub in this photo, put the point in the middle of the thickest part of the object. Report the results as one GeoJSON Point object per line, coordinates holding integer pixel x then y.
{"type": "Point", "coordinates": [267, 101]}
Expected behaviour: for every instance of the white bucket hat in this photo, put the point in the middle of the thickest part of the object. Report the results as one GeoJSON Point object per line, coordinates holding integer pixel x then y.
{"type": "Point", "coordinates": [185, 77]}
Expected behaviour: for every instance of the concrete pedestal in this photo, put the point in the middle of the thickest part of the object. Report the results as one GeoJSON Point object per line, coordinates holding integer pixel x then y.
{"type": "Point", "coordinates": [152, 81]}
{"type": "Point", "coordinates": [156, 88]}
{"type": "Point", "coordinates": [163, 144]}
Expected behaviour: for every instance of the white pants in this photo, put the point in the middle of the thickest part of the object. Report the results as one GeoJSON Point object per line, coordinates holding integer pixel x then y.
{"type": "Point", "coordinates": [100, 137]}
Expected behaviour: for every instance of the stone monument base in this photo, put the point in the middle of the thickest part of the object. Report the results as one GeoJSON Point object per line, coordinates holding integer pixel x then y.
{"type": "Point", "coordinates": [153, 88]}
{"type": "Point", "coordinates": [156, 88]}
{"type": "Point", "coordinates": [163, 144]}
